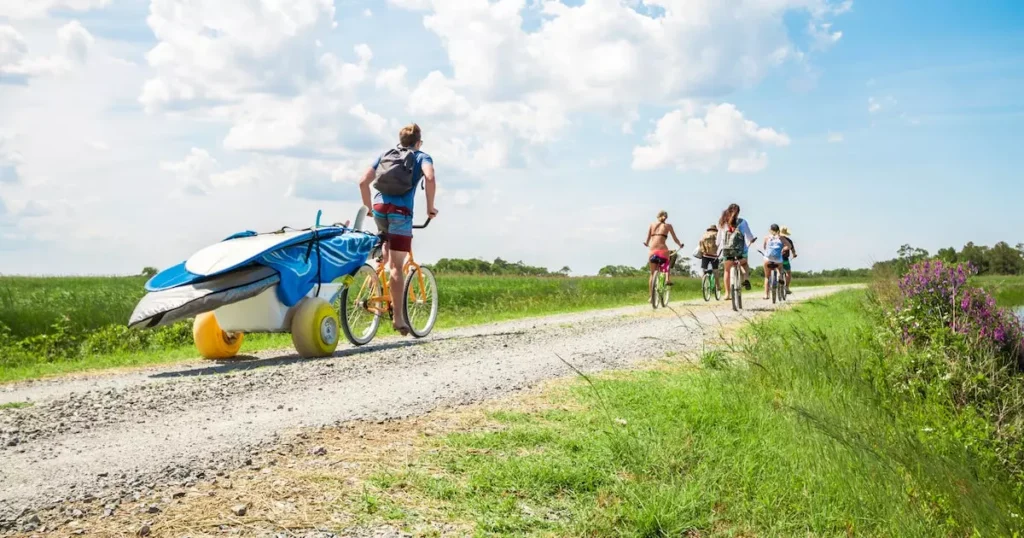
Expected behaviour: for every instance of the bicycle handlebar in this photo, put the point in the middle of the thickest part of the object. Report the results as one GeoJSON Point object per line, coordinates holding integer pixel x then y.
{"type": "Point", "coordinates": [424, 225]}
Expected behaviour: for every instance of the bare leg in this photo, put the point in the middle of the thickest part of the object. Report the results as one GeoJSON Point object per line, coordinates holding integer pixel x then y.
{"type": "Point", "coordinates": [728, 279]}
{"type": "Point", "coordinates": [397, 283]}
{"type": "Point", "coordinates": [766, 279]}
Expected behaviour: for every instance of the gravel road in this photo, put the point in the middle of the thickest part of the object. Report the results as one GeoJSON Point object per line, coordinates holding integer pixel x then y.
{"type": "Point", "coordinates": [111, 436]}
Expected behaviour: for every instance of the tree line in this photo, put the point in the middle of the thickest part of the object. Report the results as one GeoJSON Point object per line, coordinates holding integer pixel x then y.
{"type": "Point", "coordinates": [999, 259]}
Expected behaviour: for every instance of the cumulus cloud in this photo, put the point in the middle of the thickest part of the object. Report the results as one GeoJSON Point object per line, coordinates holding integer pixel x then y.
{"type": "Point", "coordinates": [75, 40]}
{"type": "Point", "coordinates": [34, 9]}
{"type": "Point", "coordinates": [527, 84]}
{"type": "Point", "coordinates": [193, 172]}
{"type": "Point", "coordinates": [216, 51]}
{"type": "Point", "coordinates": [18, 64]}
{"type": "Point", "coordinates": [835, 138]}
{"type": "Point", "coordinates": [688, 141]}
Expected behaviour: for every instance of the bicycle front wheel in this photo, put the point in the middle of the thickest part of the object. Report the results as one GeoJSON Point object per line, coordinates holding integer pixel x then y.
{"type": "Point", "coordinates": [420, 301]}
{"type": "Point", "coordinates": [358, 321]}
{"type": "Point", "coordinates": [715, 286]}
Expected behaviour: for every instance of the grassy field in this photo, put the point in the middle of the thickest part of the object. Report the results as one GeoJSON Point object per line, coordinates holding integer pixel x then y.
{"type": "Point", "coordinates": [784, 436]}
{"type": "Point", "coordinates": [52, 326]}
{"type": "Point", "coordinates": [1008, 290]}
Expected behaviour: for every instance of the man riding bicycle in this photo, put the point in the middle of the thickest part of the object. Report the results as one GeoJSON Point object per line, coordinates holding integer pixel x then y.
{"type": "Point", "coordinates": [707, 248]}
{"type": "Point", "coordinates": [398, 172]}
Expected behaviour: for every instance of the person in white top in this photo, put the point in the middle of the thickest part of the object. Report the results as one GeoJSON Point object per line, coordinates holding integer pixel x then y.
{"type": "Point", "coordinates": [734, 240]}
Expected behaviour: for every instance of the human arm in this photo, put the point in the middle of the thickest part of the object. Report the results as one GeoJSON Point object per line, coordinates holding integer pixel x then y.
{"type": "Point", "coordinates": [792, 247]}
{"type": "Point", "coordinates": [745, 229]}
{"type": "Point", "coordinates": [672, 231]}
{"type": "Point", "coordinates": [430, 186]}
{"type": "Point", "coordinates": [364, 186]}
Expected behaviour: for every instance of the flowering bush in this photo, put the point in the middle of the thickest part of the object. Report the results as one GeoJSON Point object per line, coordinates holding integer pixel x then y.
{"type": "Point", "coordinates": [936, 295]}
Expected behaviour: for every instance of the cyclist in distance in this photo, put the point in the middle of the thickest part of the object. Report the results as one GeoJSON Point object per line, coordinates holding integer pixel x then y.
{"type": "Point", "coordinates": [708, 250]}
{"type": "Point", "coordinates": [393, 212]}
{"type": "Point", "coordinates": [772, 247]}
{"type": "Point", "coordinates": [789, 251]}
{"type": "Point", "coordinates": [657, 243]}
{"type": "Point", "coordinates": [734, 240]}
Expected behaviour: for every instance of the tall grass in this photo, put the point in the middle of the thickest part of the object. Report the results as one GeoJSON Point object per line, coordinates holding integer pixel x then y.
{"type": "Point", "coordinates": [794, 439]}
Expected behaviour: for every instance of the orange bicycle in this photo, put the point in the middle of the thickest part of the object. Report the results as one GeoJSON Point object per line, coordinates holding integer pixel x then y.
{"type": "Point", "coordinates": [366, 297]}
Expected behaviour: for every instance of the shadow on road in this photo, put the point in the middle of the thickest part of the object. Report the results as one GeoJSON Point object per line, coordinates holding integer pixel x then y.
{"type": "Point", "coordinates": [242, 363]}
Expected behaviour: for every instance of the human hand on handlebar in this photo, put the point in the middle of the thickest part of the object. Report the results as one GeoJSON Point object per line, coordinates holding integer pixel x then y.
{"type": "Point", "coordinates": [432, 212]}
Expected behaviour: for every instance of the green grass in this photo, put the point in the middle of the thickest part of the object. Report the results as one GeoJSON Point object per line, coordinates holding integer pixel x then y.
{"type": "Point", "coordinates": [90, 314]}
{"type": "Point", "coordinates": [781, 438]}
{"type": "Point", "coordinates": [15, 405]}
{"type": "Point", "coordinates": [1008, 290]}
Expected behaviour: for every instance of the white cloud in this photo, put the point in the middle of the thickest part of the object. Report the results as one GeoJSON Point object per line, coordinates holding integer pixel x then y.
{"type": "Point", "coordinates": [10, 158]}
{"type": "Point", "coordinates": [193, 172]}
{"type": "Point", "coordinates": [367, 12]}
{"type": "Point", "coordinates": [375, 122]}
{"type": "Point", "coordinates": [216, 51]}
{"type": "Point", "coordinates": [822, 34]}
{"type": "Point", "coordinates": [873, 105]}
{"type": "Point", "coordinates": [684, 139]}
{"type": "Point", "coordinates": [393, 80]}
{"type": "Point", "coordinates": [75, 40]}
{"type": "Point", "coordinates": [834, 138]}
{"type": "Point", "coordinates": [34, 9]}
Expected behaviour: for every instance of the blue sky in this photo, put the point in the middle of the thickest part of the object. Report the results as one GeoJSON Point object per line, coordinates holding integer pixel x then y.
{"type": "Point", "coordinates": [133, 133]}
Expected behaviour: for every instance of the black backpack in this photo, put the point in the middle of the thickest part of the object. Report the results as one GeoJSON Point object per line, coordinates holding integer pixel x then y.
{"type": "Point", "coordinates": [395, 171]}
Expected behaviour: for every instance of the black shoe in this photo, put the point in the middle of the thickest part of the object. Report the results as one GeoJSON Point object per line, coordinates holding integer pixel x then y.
{"type": "Point", "coordinates": [670, 283]}
{"type": "Point", "coordinates": [746, 284]}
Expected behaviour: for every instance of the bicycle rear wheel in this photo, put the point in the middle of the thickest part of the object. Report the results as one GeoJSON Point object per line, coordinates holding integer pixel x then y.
{"type": "Point", "coordinates": [737, 288]}
{"type": "Point", "coordinates": [705, 287]}
{"type": "Point", "coordinates": [357, 322]}
{"type": "Point", "coordinates": [665, 290]}
{"type": "Point", "coordinates": [773, 283]}
{"type": "Point", "coordinates": [420, 301]}
{"type": "Point", "coordinates": [654, 290]}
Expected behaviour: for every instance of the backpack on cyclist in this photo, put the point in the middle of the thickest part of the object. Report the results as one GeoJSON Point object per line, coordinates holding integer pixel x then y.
{"type": "Point", "coordinates": [709, 244]}
{"type": "Point", "coordinates": [773, 250]}
{"type": "Point", "coordinates": [734, 242]}
{"type": "Point", "coordinates": [395, 171]}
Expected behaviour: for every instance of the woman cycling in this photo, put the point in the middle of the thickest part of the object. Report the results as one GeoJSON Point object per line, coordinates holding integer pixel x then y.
{"type": "Point", "coordinates": [772, 246]}
{"type": "Point", "coordinates": [734, 240]}
{"type": "Point", "coordinates": [657, 242]}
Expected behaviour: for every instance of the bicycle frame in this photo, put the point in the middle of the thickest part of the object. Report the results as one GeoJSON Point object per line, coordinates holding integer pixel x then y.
{"type": "Point", "coordinates": [382, 304]}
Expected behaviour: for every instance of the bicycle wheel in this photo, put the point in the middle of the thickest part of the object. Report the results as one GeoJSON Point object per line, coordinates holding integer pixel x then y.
{"type": "Point", "coordinates": [665, 290]}
{"type": "Point", "coordinates": [419, 302]}
{"type": "Point", "coordinates": [654, 291]}
{"type": "Point", "coordinates": [773, 283]}
{"type": "Point", "coordinates": [714, 285]}
{"type": "Point", "coordinates": [737, 287]}
{"type": "Point", "coordinates": [357, 322]}
{"type": "Point", "coordinates": [705, 286]}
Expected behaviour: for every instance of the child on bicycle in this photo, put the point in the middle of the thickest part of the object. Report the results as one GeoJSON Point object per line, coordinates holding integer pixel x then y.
{"type": "Point", "coordinates": [773, 245]}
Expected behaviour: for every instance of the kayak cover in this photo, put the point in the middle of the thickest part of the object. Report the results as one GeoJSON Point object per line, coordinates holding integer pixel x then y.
{"type": "Point", "coordinates": [326, 254]}
{"type": "Point", "coordinates": [165, 307]}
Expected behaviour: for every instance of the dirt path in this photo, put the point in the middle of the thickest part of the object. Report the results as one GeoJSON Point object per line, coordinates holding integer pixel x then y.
{"type": "Point", "coordinates": [111, 436]}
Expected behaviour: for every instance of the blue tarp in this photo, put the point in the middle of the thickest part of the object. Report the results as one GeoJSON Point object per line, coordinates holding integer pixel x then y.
{"type": "Point", "coordinates": [326, 254]}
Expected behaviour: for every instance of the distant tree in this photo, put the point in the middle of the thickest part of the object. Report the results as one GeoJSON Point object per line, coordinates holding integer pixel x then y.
{"type": "Point", "coordinates": [947, 255]}
{"type": "Point", "coordinates": [976, 255]}
{"type": "Point", "coordinates": [1002, 259]}
{"type": "Point", "coordinates": [149, 272]}
{"type": "Point", "coordinates": [621, 270]}
{"type": "Point", "coordinates": [564, 271]}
